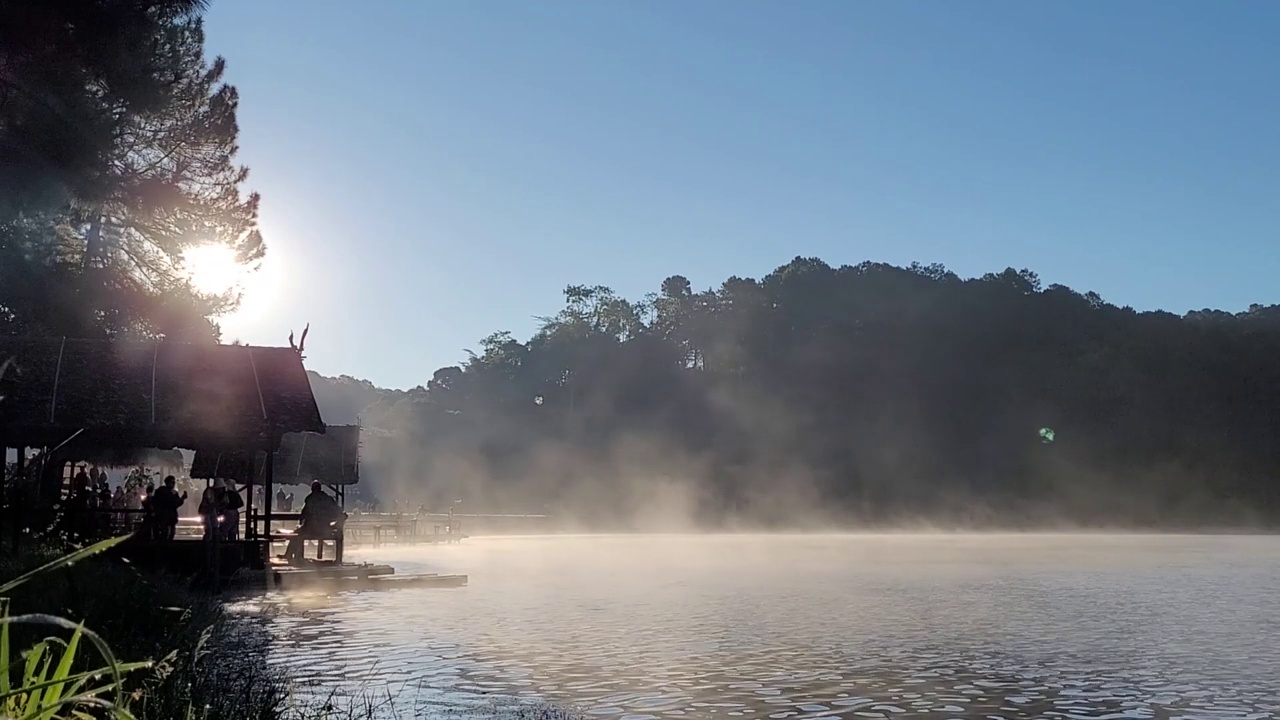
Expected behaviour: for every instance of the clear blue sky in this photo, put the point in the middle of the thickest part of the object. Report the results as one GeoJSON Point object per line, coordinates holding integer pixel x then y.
{"type": "Point", "coordinates": [433, 171]}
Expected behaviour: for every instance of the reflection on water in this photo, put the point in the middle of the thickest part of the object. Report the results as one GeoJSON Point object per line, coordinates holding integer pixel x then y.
{"type": "Point", "coordinates": [885, 626]}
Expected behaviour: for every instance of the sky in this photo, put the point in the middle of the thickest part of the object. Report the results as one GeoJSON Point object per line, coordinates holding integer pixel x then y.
{"type": "Point", "coordinates": [433, 171]}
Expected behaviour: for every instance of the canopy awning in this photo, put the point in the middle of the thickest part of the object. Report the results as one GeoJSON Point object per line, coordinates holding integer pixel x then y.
{"type": "Point", "coordinates": [332, 458]}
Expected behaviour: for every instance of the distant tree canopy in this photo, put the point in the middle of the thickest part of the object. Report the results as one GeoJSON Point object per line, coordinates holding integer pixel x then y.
{"type": "Point", "coordinates": [117, 141]}
{"type": "Point", "coordinates": [868, 392]}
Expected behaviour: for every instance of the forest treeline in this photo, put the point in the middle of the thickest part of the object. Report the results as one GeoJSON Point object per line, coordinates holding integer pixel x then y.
{"type": "Point", "coordinates": [865, 394]}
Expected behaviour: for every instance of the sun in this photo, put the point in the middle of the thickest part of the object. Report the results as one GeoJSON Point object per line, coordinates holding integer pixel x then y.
{"type": "Point", "coordinates": [212, 268]}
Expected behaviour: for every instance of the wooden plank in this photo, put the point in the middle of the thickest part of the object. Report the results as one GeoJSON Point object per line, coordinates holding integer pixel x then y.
{"type": "Point", "coordinates": [337, 571]}
{"type": "Point", "coordinates": [385, 582]}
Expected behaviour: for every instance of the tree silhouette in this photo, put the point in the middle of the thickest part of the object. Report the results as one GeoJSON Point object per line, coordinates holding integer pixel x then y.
{"type": "Point", "coordinates": [116, 157]}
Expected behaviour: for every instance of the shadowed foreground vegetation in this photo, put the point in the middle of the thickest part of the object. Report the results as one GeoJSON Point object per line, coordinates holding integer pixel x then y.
{"type": "Point", "coordinates": [202, 663]}
{"type": "Point", "coordinates": [856, 394]}
{"type": "Point", "coordinates": [177, 654]}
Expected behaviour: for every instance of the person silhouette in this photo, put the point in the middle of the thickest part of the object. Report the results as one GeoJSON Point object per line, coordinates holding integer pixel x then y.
{"type": "Point", "coordinates": [166, 503]}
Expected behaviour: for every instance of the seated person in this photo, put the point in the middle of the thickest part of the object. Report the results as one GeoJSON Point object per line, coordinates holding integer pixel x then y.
{"type": "Point", "coordinates": [321, 520]}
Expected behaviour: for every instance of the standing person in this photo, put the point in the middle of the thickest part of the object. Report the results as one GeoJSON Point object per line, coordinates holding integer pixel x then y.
{"type": "Point", "coordinates": [80, 483]}
{"type": "Point", "coordinates": [80, 489]}
{"type": "Point", "coordinates": [134, 501]}
{"type": "Point", "coordinates": [282, 501]}
{"type": "Point", "coordinates": [78, 505]}
{"type": "Point", "coordinates": [166, 502]}
{"type": "Point", "coordinates": [220, 502]}
{"type": "Point", "coordinates": [148, 528]}
{"type": "Point", "coordinates": [118, 503]}
{"type": "Point", "coordinates": [211, 512]}
{"type": "Point", "coordinates": [103, 501]}
{"type": "Point", "coordinates": [231, 512]}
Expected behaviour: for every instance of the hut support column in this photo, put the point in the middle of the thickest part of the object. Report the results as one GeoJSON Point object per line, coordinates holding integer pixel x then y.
{"type": "Point", "coordinates": [248, 509]}
{"type": "Point", "coordinates": [15, 497]}
{"type": "Point", "coordinates": [5, 515]}
{"type": "Point", "coordinates": [268, 478]}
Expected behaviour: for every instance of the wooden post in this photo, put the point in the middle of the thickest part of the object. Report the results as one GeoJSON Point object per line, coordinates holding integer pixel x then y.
{"type": "Point", "coordinates": [5, 515]}
{"type": "Point", "coordinates": [268, 478]}
{"type": "Point", "coordinates": [248, 505]}
{"type": "Point", "coordinates": [16, 498]}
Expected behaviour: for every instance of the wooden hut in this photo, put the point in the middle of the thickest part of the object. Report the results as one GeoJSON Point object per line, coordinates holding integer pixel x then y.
{"type": "Point", "coordinates": [79, 399]}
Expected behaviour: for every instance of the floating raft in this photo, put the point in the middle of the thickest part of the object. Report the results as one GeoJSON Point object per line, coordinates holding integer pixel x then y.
{"type": "Point", "coordinates": [335, 577]}
{"type": "Point", "coordinates": [303, 580]}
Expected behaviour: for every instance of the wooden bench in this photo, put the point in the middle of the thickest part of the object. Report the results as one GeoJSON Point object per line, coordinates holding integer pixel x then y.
{"type": "Point", "coordinates": [336, 534]}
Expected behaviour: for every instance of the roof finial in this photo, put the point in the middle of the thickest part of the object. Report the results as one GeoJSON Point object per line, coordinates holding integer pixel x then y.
{"type": "Point", "coordinates": [302, 343]}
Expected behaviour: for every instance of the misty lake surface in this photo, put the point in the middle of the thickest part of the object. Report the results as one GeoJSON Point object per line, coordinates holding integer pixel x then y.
{"type": "Point", "coordinates": [793, 626]}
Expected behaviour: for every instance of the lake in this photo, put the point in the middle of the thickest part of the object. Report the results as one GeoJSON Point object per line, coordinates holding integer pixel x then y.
{"type": "Point", "coordinates": [804, 626]}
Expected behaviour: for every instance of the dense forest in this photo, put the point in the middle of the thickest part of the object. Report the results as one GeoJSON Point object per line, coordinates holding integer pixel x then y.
{"type": "Point", "coordinates": [865, 394]}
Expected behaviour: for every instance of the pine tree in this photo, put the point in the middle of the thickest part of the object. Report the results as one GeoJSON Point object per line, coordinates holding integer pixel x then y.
{"type": "Point", "coordinates": [117, 141]}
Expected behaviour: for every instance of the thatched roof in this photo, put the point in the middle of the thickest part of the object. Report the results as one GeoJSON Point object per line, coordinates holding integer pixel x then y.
{"type": "Point", "coordinates": [332, 458]}
{"type": "Point", "coordinates": [159, 395]}
{"type": "Point", "coordinates": [131, 457]}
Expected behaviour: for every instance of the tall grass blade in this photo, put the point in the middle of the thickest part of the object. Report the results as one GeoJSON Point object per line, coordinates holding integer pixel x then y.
{"type": "Point", "coordinates": [113, 666]}
{"type": "Point", "coordinates": [34, 672]}
{"type": "Point", "coordinates": [63, 671]}
{"type": "Point", "coordinates": [4, 646]}
{"type": "Point", "coordinates": [77, 681]}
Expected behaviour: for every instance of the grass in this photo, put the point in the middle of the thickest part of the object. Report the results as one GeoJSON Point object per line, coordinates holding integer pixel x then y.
{"type": "Point", "coordinates": [52, 679]}
{"type": "Point", "coordinates": [56, 666]}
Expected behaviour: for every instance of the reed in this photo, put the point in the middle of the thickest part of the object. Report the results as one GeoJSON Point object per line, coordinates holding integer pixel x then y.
{"type": "Point", "coordinates": [52, 678]}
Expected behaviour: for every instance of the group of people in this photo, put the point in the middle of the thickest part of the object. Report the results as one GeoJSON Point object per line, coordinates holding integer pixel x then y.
{"type": "Point", "coordinates": [219, 509]}
{"type": "Point", "coordinates": [90, 494]}
{"type": "Point", "coordinates": [91, 490]}
{"type": "Point", "coordinates": [284, 501]}
{"type": "Point", "coordinates": [160, 510]}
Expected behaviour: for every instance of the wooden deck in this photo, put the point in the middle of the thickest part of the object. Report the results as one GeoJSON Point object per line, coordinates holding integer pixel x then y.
{"type": "Point", "coordinates": [194, 557]}
{"type": "Point", "coordinates": [333, 577]}
{"type": "Point", "coordinates": [244, 565]}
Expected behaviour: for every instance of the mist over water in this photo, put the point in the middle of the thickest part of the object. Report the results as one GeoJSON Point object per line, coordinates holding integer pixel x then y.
{"type": "Point", "coordinates": [781, 626]}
